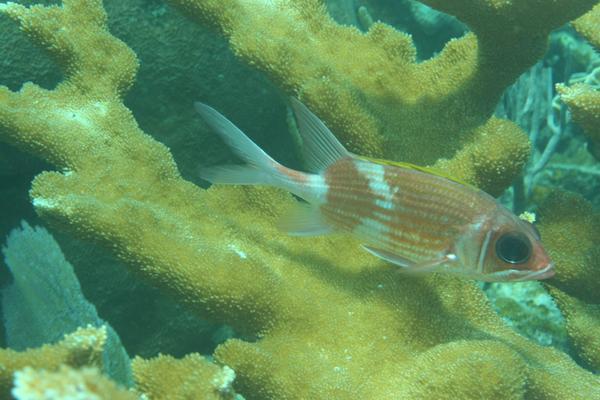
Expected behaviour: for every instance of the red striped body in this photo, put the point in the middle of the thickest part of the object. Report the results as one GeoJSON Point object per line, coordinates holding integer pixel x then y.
{"type": "Point", "coordinates": [420, 220]}
{"type": "Point", "coordinates": [405, 211]}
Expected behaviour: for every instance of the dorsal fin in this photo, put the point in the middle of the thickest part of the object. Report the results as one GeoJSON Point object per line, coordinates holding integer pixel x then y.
{"type": "Point", "coordinates": [319, 147]}
{"type": "Point", "coordinates": [429, 170]}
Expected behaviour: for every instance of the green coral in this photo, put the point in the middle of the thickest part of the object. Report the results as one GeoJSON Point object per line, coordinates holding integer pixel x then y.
{"type": "Point", "coordinates": [377, 99]}
{"type": "Point", "coordinates": [192, 377]}
{"type": "Point", "coordinates": [84, 347]}
{"type": "Point", "coordinates": [37, 265]}
{"type": "Point", "coordinates": [587, 26]}
{"type": "Point", "coordinates": [583, 98]}
{"type": "Point", "coordinates": [167, 36]}
{"type": "Point", "coordinates": [329, 320]}
{"type": "Point", "coordinates": [584, 101]}
{"type": "Point", "coordinates": [583, 325]}
{"type": "Point", "coordinates": [571, 229]}
{"type": "Point", "coordinates": [67, 383]}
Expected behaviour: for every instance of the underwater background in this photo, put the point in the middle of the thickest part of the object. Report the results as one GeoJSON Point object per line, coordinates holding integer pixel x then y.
{"type": "Point", "coordinates": [122, 253]}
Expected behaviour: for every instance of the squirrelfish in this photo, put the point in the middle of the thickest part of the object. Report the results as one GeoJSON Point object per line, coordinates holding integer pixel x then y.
{"type": "Point", "coordinates": [410, 216]}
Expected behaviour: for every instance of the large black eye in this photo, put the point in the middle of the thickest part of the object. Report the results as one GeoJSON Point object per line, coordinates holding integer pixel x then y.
{"type": "Point", "coordinates": [513, 248]}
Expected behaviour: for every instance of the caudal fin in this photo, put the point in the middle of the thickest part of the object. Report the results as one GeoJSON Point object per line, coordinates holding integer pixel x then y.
{"type": "Point", "coordinates": [321, 149]}
{"type": "Point", "coordinates": [260, 168]}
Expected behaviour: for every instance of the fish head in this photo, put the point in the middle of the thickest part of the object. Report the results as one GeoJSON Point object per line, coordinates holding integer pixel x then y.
{"type": "Point", "coordinates": [511, 249]}
{"type": "Point", "coordinates": [503, 247]}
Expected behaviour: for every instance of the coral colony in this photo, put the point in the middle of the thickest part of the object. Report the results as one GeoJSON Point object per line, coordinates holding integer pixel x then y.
{"type": "Point", "coordinates": [298, 317]}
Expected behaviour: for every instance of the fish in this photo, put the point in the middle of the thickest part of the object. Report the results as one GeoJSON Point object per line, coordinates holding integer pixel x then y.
{"type": "Point", "coordinates": [417, 218]}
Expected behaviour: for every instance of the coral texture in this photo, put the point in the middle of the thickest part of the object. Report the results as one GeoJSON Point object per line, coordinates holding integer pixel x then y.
{"type": "Point", "coordinates": [530, 310]}
{"type": "Point", "coordinates": [67, 384]}
{"type": "Point", "coordinates": [584, 101]}
{"type": "Point", "coordinates": [329, 320]}
{"type": "Point", "coordinates": [370, 91]}
{"type": "Point", "coordinates": [587, 26]}
{"type": "Point", "coordinates": [192, 377]}
{"type": "Point", "coordinates": [572, 230]}
{"type": "Point", "coordinates": [84, 347]}
{"type": "Point", "coordinates": [37, 265]}
{"type": "Point", "coordinates": [583, 326]}
{"type": "Point", "coordinates": [583, 98]}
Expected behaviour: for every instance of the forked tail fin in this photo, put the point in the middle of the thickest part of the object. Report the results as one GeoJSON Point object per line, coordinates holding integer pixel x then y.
{"type": "Point", "coordinates": [321, 150]}
{"type": "Point", "coordinates": [260, 168]}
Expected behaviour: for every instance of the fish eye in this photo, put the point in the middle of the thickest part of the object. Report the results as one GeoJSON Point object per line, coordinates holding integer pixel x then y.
{"type": "Point", "coordinates": [513, 248]}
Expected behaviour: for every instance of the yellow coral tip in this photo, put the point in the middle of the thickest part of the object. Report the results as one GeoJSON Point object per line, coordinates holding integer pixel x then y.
{"type": "Point", "coordinates": [528, 216]}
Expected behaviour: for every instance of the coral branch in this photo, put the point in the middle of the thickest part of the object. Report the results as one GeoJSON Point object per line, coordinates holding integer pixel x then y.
{"type": "Point", "coordinates": [571, 229]}
{"type": "Point", "coordinates": [83, 347]}
{"type": "Point", "coordinates": [587, 26]}
{"type": "Point", "coordinates": [584, 101]}
{"type": "Point", "coordinates": [583, 326]}
{"type": "Point", "coordinates": [192, 377]}
{"type": "Point", "coordinates": [117, 181]}
{"type": "Point", "coordinates": [370, 91]}
{"type": "Point", "coordinates": [583, 98]}
{"type": "Point", "coordinates": [67, 383]}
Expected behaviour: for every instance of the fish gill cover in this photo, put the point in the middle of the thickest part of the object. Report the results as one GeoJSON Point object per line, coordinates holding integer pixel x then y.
{"type": "Point", "coordinates": [313, 317]}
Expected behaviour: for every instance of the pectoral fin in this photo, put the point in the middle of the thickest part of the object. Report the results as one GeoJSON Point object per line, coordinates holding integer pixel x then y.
{"type": "Point", "coordinates": [407, 265]}
{"type": "Point", "coordinates": [389, 257]}
{"type": "Point", "coordinates": [304, 220]}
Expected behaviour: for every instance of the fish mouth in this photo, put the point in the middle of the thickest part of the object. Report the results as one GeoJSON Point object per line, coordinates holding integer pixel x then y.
{"type": "Point", "coordinates": [544, 273]}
